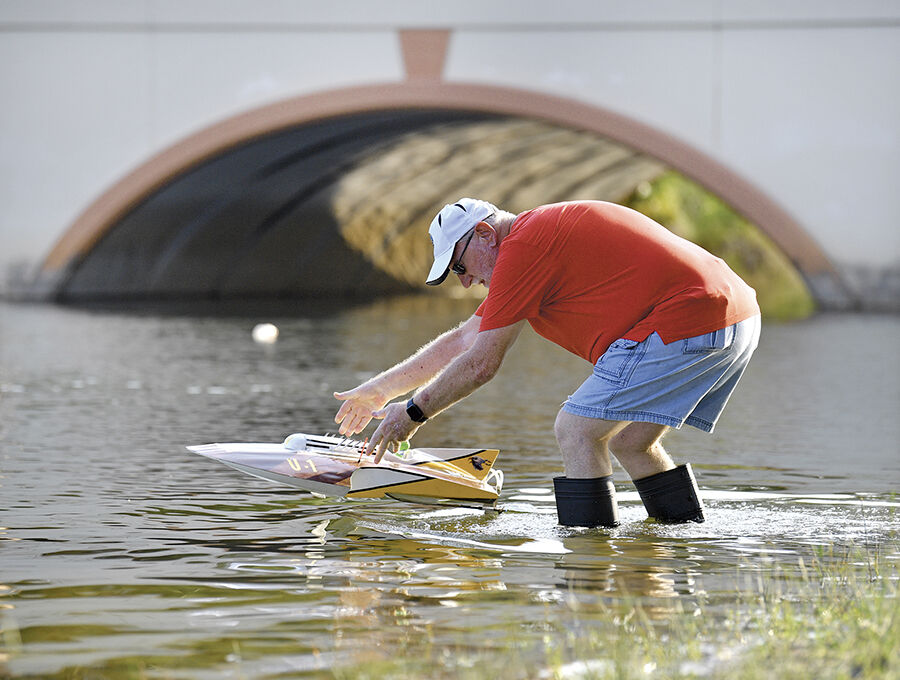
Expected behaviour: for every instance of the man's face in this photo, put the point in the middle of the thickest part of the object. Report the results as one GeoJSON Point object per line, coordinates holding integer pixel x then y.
{"type": "Point", "coordinates": [478, 257]}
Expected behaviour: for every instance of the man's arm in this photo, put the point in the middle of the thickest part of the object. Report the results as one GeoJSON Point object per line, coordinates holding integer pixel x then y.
{"type": "Point", "coordinates": [360, 402]}
{"type": "Point", "coordinates": [467, 373]}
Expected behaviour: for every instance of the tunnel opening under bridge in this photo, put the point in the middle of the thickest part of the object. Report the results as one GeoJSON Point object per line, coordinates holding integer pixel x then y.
{"type": "Point", "coordinates": [331, 194]}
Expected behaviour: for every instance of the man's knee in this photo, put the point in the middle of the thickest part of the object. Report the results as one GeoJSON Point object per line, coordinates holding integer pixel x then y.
{"type": "Point", "coordinates": [572, 429]}
{"type": "Point", "coordinates": [564, 429]}
{"type": "Point", "coordinates": [638, 437]}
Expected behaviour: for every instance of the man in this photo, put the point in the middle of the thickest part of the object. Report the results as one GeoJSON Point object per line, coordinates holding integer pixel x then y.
{"type": "Point", "coordinates": [668, 327]}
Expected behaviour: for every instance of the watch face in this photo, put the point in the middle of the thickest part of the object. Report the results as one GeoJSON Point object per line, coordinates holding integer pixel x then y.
{"type": "Point", "coordinates": [414, 412]}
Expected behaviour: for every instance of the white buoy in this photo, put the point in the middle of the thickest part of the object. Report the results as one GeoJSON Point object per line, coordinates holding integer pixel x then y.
{"type": "Point", "coordinates": [265, 333]}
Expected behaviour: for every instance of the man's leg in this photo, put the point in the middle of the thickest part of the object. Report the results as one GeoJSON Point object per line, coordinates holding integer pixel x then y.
{"type": "Point", "coordinates": [639, 449]}
{"type": "Point", "coordinates": [585, 496]}
{"type": "Point", "coordinates": [584, 444]}
{"type": "Point", "coordinates": [669, 493]}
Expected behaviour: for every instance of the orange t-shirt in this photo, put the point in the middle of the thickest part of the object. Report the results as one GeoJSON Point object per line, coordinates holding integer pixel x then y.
{"type": "Point", "coordinates": [586, 273]}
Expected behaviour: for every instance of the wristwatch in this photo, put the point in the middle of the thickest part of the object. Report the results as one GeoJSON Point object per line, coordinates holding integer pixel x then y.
{"type": "Point", "coordinates": [414, 412]}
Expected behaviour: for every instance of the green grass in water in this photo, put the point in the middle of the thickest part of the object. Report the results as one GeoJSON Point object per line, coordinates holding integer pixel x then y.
{"type": "Point", "coordinates": [693, 213]}
{"type": "Point", "coordinates": [836, 619]}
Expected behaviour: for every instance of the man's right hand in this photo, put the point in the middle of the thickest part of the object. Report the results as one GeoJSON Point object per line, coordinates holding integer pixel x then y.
{"type": "Point", "coordinates": [359, 405]}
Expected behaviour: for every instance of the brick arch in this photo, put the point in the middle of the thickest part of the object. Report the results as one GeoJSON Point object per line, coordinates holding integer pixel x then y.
{"type": "Point", "coordinates": [102, 215]}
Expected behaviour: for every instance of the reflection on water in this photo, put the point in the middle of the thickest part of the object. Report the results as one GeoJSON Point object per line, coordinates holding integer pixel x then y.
{"type": "Point", "coordinates": [122, 552]}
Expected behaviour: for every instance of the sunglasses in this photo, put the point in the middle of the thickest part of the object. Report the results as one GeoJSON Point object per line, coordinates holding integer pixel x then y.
{"type": "Point", "coordinates": [456, 267]}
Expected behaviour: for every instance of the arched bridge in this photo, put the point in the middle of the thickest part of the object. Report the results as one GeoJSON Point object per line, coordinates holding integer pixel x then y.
{"type": "Point", "coordinates": [333, 193]}
{"type": "Point", "coordinates": [204, 150]}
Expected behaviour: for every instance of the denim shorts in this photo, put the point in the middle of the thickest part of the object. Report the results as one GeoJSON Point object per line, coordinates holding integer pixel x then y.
{"type": "Point", "coordinates": [687, 381]}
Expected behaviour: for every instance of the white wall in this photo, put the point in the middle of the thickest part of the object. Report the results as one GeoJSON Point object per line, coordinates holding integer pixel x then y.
{"type": "Point", "coordinates": [801, 98]}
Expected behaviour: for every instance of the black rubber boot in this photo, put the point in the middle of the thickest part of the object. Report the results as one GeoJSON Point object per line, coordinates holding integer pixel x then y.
{"type": "Point", "coordinates": [586, 502]}
{"type": "Point", "coordinates": [672, 496]}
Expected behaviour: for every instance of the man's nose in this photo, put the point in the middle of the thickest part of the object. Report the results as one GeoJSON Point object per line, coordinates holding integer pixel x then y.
{"type": "Point", "coordinates": [465, 280]}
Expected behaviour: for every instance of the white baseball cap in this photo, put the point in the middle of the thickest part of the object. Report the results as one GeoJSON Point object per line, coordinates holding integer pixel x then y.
{"type": "Point", "coordinates": [451, 224]}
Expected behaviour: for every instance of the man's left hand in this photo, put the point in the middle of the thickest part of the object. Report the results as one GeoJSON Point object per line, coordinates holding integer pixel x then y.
{"type": "Point", "coordinates": [396, 427]}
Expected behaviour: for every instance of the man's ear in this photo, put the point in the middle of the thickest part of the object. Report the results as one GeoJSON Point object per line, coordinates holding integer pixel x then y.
{"type": "Point", "coordinates": [486, 231]}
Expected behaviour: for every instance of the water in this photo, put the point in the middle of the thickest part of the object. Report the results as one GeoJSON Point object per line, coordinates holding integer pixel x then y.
{"type": "Point", "coordinates": [123, 555]}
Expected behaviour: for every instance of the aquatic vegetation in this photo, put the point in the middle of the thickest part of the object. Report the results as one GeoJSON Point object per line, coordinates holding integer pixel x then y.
{"type": "Point", "coordinates": [833, 618]}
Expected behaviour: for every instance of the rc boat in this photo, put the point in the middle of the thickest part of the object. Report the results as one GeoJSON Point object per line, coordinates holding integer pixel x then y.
{"type": "Point", "coordinates": [331, 465]}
